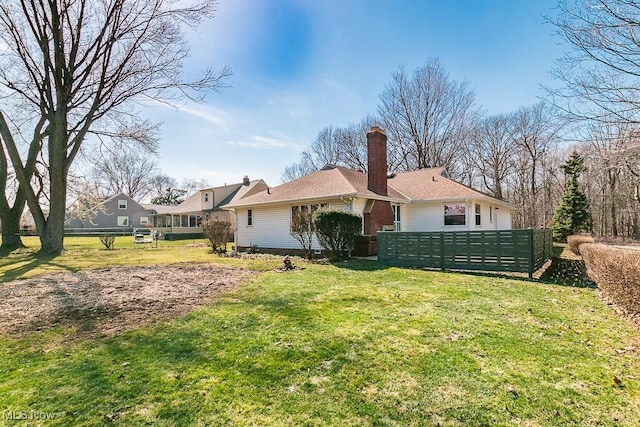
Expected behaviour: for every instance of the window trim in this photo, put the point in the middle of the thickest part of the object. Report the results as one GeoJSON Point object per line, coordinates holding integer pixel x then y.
{"type": "Point", "coordinates": [249, 217]}
{"type": "Point", "coordinates": [125, 223]}
{"type": "Point", "coordinates": [397, 217]}
{"type": "Point", "coordinates": [124, 202]}
{"type": "Point", "coordinates": [478, 214]}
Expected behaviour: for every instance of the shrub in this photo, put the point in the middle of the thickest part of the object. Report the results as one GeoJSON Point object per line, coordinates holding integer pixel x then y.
{"type": "Point", "coordinates": [577, 240]}
{"type": "Point", "coordinates": [302, 230]}
{"type": "Point", "coordinates": [617, 273]}
{"type": "Point", "coordinates": [337, 232]}
{"type": "Point", "coordinates": [108, 241]}
{"type": "Point", "coordinates": [218, 234]}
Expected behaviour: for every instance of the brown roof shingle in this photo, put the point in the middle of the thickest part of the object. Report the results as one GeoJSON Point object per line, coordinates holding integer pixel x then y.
{"type": "Point", "coordinates": [337, 181]}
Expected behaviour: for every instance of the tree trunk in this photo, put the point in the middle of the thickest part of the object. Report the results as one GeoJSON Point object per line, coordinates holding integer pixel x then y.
{"type": "Point", "coordinates": [11, 229]}
{"type": "Point", "coordinates": [613, 210]}
{"type": "Point", "coordinates": [52, 231]}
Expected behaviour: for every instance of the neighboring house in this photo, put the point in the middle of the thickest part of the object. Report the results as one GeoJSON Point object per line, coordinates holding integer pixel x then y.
{"type": "Point", "coordinates": [423, 200]}
{"type": "Point", "coordinates": [115, 212]}
{"type": "Point", "coordinates": [187, 217]}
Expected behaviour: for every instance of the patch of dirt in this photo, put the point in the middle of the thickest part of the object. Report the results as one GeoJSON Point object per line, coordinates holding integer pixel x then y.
{"type": "Point", "coordinates": [111, 300]}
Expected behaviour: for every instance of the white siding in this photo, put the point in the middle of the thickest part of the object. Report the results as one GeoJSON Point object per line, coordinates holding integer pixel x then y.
{"type": "Point", "coordinates": [357, 206]}
{"type": "Point", "coordinates": [429, 216]}
{"type": "Point", "coordinates": [270, 229]}
{"type": "Point", "coordinates": [503, 219]}
{"type": "Point", "coordinates": [422, 217]}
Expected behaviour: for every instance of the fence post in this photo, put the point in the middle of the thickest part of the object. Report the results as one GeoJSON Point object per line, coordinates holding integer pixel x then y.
{"type": "Point", "coordinates": [531, 253]}
{"type": "Point", "coordinates": [441, 250]}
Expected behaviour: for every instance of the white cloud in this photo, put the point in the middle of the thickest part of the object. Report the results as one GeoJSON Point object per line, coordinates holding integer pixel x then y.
{"type": "Point", "coordinates": [277, 141]}
{"type": "Point", "coordinates": [294, 105]}
{"type": "Point", "coordinates": [216, 116]}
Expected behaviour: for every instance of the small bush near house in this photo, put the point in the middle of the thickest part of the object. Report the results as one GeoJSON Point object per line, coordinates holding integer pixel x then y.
{"type": "Point", "coordinates": [302, 230]}
{"type": "Point", "coordinates": [577, 240]}
{"type": "Point", "coordinates": [108, 241]}
{"type": "Point", "coordinates": [218, 234]}
{"type": "Point", "coordinates": [617, 273]}
{"type": "Point", "coordinates": [337, 232]}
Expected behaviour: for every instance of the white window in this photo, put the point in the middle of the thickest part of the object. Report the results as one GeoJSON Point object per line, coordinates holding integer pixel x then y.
{"type": "Point", "coordinates": [123, 221]}
{"type": "Point", "coordinates": [455, 214]}
{"type": "Point", "coordinates": [144, 220]}
{"type": "Point", "coordinates": [396, 217]}
{"type": "Point", "coordinates": [249, 217]}
{"type": "Point", "coordinates": [122, 204]}
{"type": "Point", "coordinates": [206, 197]}
{"type": "Point", "coordinates": [478, 215]}
{"type": "Point", "coordinates": [308, 208]}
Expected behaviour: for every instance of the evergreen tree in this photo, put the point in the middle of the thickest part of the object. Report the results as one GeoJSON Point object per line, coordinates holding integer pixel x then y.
{"type": "Point", "coordinates": [572, 214]}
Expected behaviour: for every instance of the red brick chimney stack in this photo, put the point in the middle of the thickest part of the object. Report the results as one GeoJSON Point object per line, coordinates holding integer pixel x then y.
{"type": "Point", "coordinates": [377, 160]}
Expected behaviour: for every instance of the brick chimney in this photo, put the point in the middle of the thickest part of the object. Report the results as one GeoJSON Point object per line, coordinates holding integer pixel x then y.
{"type": "Point", "coordinates": [377, 214]}
{"type": "Point", "coordinates": [377, 160]}
{"type": "Point", "coordinates": [245, 180]}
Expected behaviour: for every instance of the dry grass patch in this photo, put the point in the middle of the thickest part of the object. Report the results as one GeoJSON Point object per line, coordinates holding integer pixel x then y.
{"type": "Point", "coordinates": [111, 300]}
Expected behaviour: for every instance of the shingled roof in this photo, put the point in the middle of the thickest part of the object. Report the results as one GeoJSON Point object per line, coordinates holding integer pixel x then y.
{"type": "Point", "coordinates": [337, 181]}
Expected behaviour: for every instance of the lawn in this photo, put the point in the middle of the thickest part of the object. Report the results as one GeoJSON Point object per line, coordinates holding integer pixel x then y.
{"type": "Point", "coordinates": [345, 344]}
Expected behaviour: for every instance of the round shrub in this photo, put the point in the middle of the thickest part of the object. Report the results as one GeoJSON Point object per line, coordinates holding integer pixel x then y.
{"type": "Point", "coordinates": [337, 231]}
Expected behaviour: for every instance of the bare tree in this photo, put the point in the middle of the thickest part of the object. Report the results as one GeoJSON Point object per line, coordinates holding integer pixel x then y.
{"type": "Point", "coordinates": [492, 152]}
{"type": "Point", "coordinates": [613, 160]}
{"type": "Point", "coordinates": [296, 170]}
{"type": "Point", "coordinates": [160, 184]}
{"type": "Point", "coordinates": [86, 201]}
{"type": "Point", "coordinates": [601, 72]}
{"type": "Point", "coordinates": [79, 67]}
{"type": "Point", "coordinates": [337, 146]}
{"type": "Point", "coordinates": [12, 196]}
{"type": "Point", "coordinates": [127, 171]}
{"type": "Point", "coordinates": [302, 230]}
{"type": "Point", "coordinates": [427, 116]}
{"type": "Point", "coordinates": [217, 232]}
{"type": "Point", "coordinates": [324, 150]}
{"type": "Point", "coordinates": [191, 185]}
{"type": "Point", "coordinates": [536, 131]}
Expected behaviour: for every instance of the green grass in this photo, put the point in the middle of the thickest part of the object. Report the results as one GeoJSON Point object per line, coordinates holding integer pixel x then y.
{"type": "Point", "coordinates": [88, 253]}
{"type": "Point", "coordinates": [344, 344]}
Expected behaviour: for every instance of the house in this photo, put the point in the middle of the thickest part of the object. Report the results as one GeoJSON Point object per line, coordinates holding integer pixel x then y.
{"type": "Point", "coordinates": [422, 200]}
{"type": "Point", "coordinates": [118, 212]}
{"type": "Point", "coordinates": [122, 213]}
{"type": "Point", "coordinates": [187, 217]}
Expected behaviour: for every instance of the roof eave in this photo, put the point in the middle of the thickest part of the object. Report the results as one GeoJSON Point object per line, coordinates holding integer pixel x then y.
{"type": "Point", "coordinates": [288, 201]}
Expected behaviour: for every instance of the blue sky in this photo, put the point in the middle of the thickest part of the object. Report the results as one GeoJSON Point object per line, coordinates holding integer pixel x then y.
{"type": "Point", "coordinates": [299, 66]}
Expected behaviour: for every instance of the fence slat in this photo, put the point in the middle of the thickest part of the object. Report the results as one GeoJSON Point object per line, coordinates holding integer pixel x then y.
{"type": "Point", "coordinates": [506, 250]}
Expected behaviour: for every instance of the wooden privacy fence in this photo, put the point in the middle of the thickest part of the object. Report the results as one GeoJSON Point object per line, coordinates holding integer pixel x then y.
{"type": "Point", "coordinates": [522, 251]}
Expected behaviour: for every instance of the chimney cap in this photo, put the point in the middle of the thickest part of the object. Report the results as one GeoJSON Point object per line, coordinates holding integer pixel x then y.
{"type": "Point", "coordinates": [376, 129]}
